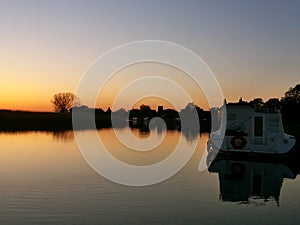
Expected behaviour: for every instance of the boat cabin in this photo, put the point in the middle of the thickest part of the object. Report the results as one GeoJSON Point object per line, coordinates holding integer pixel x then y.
{"type": "Point", "coordinates": [254, 130]}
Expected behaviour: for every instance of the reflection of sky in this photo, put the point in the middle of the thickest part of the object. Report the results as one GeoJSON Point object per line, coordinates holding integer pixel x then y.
{"type": "Point", "coordinates": [46, 180]}
{"type": "Point", "coordinates": [46, 46]}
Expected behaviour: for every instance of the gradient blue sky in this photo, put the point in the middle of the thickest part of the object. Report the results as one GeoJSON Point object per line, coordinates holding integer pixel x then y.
{"type": "Point", "coordinates": [251, 46]}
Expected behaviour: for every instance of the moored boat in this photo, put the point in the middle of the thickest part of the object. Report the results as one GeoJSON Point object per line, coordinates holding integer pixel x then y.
{"type": "Point", "coordinates": [251, 130]}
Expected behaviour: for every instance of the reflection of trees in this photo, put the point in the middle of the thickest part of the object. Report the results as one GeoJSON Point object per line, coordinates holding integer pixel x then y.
{"type": "Point", "coordinates": [144, 129]}
{"type": "Point", "coordinates": [146, 126]}
{"type": "Point", "coordinates": [190, 134]}
{"type": "Point", "coordinates": [63, 135]}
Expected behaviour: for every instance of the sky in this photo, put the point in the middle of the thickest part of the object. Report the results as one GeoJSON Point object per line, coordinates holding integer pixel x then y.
{"type": "Point", "coordinates": [252, 47]}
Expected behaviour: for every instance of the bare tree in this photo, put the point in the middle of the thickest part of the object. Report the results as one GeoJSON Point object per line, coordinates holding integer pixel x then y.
{"type": "Point", "coordinates": [63, 102]}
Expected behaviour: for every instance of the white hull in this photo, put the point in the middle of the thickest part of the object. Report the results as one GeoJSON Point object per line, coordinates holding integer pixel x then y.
{"type": "Point", "coordinates": [273, 146]}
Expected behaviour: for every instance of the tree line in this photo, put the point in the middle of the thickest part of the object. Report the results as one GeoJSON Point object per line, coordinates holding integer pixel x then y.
{"type": "Point", "coordinates": [289, 104]}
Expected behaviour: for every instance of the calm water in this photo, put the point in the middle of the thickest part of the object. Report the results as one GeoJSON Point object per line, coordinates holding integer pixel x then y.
{"type": "Point", "coordinates": [45, 180]}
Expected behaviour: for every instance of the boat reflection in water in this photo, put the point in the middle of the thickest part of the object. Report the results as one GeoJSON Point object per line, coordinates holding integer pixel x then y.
{"type": "Point", "coordinates": [250, 181]}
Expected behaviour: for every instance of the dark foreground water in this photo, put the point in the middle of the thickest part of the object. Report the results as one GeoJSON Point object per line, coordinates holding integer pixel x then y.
{"type": "Point", "coordinates": [45, 180]}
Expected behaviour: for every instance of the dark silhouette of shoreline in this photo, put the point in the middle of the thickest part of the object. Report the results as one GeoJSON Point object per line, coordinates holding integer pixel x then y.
{"type": "Point", "coordinates": [34, 121]}
{"type": "Point", "coordinates": [289, 105]}
{"type": "Point", "coordinates": [140, 119]}
{"type": "Point", "coordinates": [135, 118]}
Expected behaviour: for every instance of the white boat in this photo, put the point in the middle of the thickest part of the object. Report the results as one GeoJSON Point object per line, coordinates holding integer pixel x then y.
{"type": "Point", "coordinates": [252, 130]}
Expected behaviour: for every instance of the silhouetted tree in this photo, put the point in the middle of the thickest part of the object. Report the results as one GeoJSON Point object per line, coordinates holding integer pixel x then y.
{"type": "Point", "coordinates": [273, 103]}
{"type": "Point", "coordinates": [99, 111]}
{"type": "Point", "coordinates": [108, 111]}
{"type": "Point", "coordinates": [170, 113]}
{"type": "Point", "coordinates": [189, 118]}
{"type": "Point", "coordinates": [121, 111]}
{"type": "Point", "coordinates": [291, 104]}
{"type": "Point", "coordinates": [292, 96]}
{"type": "Point", "coordinates": [257, 103]}
{"type": "Point", "coordinates": [63, 102]}
{"type": "Point", "coordinates": [81, 108]}
{"type": "Point", "coordinates": [145, 107]}
{"type": "Point", "coordinates": [190, 106]}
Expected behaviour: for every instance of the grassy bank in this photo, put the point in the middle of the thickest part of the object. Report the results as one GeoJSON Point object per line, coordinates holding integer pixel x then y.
{"type": "Point", "coordinates": [19, 121]}
{"type": "Point", "coordinates": [42, 121]}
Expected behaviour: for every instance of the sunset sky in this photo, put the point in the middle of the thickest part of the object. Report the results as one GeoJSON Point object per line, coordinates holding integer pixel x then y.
{"type": "Point", "coordinates": [253, 47]}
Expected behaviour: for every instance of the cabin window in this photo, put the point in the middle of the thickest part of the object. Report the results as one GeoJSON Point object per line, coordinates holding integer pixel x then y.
{"type": "Point", "coordinates": [258, 126]}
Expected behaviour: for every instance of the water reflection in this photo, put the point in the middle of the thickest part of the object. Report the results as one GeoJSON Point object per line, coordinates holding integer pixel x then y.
{"type": "Point", "coordinates": [45, 181]}
{"type": "Point", "coordinates": [66, 136]}
{"type": "Point", "coordinates": [190, 133]}
{"type": "Point", "coordinates": [250, 181]}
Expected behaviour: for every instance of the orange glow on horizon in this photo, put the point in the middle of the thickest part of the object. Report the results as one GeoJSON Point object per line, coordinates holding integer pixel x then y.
{"type": "Point", "coordinates": [138, 71]}
{"type": "Point", "coordinates": [35, 94]}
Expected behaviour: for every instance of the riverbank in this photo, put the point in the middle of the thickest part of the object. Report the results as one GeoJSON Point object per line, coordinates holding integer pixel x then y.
{"type": "Point", "coordinates": [42, 121]}
{"type": "Point", "coordinates": [51, 121]}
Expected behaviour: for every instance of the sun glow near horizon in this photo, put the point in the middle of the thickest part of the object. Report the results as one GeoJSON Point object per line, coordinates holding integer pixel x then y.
{"type": "Point", "coordinates": [33, 95]}
{"type": "Point", "coordinates": [47, 47]}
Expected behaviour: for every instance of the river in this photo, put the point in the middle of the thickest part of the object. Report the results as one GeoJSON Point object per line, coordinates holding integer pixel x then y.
{"type": "Point", "coordinates": [44, 179]}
